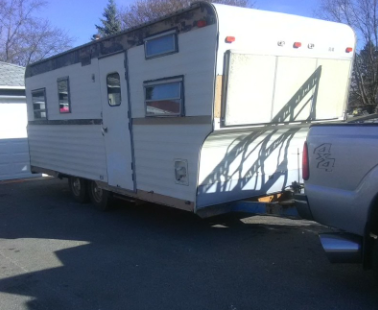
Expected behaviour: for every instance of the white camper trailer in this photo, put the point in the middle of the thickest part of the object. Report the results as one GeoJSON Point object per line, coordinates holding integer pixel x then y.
{"type": "Point", "coordinates": [203, 107]}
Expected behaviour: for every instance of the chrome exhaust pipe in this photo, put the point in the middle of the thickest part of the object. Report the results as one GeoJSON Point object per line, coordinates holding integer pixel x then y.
{"type": "Point", "coordinates": [342, 248]}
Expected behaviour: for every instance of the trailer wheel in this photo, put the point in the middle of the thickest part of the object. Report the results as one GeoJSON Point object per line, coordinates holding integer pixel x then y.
{"type": "Point", "coordinates": [79, 189]}
{"type": "Point", "coordinates": [100, 198]}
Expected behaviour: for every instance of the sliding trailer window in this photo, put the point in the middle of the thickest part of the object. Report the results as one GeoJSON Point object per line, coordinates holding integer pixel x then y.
{"type": "Point", "coordinates": [164, 97]}
{"type": "Point", "coordinates": [39, 103]}
{"type": "Point", "coordinates": [64, 95]}
{"type": "Point", "coordinates": [161, 44]}
{"type": "Point", "coordinates": [113, 82]}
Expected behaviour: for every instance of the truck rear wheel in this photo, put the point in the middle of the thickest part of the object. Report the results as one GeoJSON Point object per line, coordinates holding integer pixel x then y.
{"type": "Point", "coordinates": [375, 259]}
{"type": "Point", "coordinates": [100, 198]}
{"type": "Point", "coordinates": [79, 189]}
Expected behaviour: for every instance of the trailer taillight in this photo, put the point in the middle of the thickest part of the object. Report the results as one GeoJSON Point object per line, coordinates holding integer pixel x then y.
{"type": "Point", "coordinates": [349, 49]}
{"type": "Point", "coordinates": [297, 44]}
{"type": "Point", "coordinates": [230, 39]}
{"type": "Point", "coordinates": [305, 166]}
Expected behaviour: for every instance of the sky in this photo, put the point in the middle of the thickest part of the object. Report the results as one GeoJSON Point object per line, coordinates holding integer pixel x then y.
{"type": "Point", "coordinates": [78, 17]}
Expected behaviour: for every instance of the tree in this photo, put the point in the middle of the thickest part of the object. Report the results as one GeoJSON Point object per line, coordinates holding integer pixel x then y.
{"type": "Point", "coordinates": [364, 86]}
{"type": "Point", "coordinates": [24, 38]}
{"type": "Point", "coordinates": [142, 11]}
{"type": "Point", "coordinates": [111, 23]}
{"type": "Point", "coordinates": [362, 16]}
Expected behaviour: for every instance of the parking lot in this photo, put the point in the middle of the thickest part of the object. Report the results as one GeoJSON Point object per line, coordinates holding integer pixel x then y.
{"type": "Point", "coordinates": [58, 254]}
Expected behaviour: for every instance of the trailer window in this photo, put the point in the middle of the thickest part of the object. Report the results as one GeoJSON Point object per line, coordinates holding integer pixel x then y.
{"type": "Point", "coordinates": [164, 98]}
{"type": "Point", "coordinates": [39, 103]}
{"type": "Point", "coordinates": [161, 44]}
{"type": "Point", "coordinates": [64, 95]}
{"type": "Point", "coordinates": [113, 82]}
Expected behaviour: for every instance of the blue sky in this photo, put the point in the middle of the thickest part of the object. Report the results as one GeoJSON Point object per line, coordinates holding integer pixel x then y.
{"type": "Point", "coordinates": [78, 17]}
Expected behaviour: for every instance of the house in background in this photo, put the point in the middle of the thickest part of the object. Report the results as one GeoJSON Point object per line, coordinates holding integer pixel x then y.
{"type": "Point", "coordinates": [14, 148]}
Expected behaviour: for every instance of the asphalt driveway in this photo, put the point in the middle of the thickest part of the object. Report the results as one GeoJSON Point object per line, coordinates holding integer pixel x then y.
{"type": "Point", "coordinates": [58, 254]}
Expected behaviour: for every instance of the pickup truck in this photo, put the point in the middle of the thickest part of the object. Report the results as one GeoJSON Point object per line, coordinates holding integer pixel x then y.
{"type": "Point", "coordinates": [340, 173]}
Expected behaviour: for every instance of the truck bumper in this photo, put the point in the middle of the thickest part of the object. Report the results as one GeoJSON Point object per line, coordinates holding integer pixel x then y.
{"type": "Point", "coordinates": [339, 247]}
{"type": "Point", "coordinates": [342, 247]}
{"type": "Point", "coordinates": [303, 207]}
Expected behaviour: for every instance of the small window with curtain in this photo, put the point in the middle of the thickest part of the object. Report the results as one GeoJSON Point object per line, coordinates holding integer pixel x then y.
{"type": "Point", "coordinates": [113, 82]}
{"type": "Point", "coordinates": [64, 95]}
{"type": "Point", "coordinates": [39, 104]}
{"type": "Point", "coordinates": [162, 44]}
{"type": "Point", "coordinates": [164, 98]}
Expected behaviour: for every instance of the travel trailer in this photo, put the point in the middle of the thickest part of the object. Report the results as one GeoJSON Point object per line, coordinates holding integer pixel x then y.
{"type": "Point", "coordinates": [195, 110]}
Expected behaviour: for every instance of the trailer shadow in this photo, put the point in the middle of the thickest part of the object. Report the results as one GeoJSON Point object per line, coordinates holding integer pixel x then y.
{"type": "Point", "coordinates": [57, 254]}
{"type": "Point", "coordinates": [238, 176]}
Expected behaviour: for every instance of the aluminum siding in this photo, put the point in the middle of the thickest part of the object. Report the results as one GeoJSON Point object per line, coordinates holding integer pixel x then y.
{"type": "Point", "coordinates": [249, 163]}
{"type": "Point", "coordinates": [157, 146]}
{"type": "Point", "coordinates": [70, 149]}
{"type": "Point", "coordinates": [85, 91]}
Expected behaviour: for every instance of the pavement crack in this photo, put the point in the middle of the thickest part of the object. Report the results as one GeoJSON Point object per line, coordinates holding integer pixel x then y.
{"type": "Point", "coordinates": [14, 262]}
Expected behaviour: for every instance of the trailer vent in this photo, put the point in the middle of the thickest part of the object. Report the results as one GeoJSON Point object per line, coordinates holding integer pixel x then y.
{"type": "Point", "coordinates": [181, 171]}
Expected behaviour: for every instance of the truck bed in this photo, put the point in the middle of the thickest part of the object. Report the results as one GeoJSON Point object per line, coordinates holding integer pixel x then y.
{"type": "Point", "coordinates": [340, 169]}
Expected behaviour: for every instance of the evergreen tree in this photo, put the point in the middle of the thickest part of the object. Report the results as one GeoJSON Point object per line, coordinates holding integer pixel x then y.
{"type": "Point", "coordinates": [110, 24]}
{"type": "Point", "coordinates": [364, 87]}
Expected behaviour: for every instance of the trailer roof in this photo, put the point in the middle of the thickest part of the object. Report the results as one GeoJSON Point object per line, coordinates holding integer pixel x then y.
{"type": "Point", "coordinates": [229, 19]}
{"type": "Point", "coordinates": [183, 20]}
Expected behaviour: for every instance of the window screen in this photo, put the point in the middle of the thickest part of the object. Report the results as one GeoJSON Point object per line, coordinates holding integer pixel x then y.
{"type": "Point", "coordinates": [64, 95]}
{"type": "Point", "coordinates": [113, 82]}
{"type": "Point", "coordinates": [39, 104]}
{"type": "Point", "coordinates": [164, 98]}
{"type": "Point", "coordinates": [160, 45]}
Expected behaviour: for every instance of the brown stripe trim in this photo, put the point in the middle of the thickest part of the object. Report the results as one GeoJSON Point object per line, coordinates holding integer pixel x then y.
{"type": "Point", "coordinates": [67, 122]}
{"type": "Point", "coordinates": [189, 120]}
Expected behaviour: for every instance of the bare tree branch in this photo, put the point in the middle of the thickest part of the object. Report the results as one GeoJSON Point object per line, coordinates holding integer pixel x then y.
{"type": "Point", "coordinates": [25, 38]}
{"type": "Point", "coordinates": [362, 16]}
{"type": "Point", "coordinates": [142, 11]}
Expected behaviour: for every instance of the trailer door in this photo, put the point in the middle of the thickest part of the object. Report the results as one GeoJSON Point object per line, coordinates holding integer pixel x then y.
{"type": "Point", "coordinates": [116, 120]}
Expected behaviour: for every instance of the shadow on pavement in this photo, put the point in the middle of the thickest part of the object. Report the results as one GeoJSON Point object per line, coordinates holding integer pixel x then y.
{"type": "Point", "coordinates": [58, 254]}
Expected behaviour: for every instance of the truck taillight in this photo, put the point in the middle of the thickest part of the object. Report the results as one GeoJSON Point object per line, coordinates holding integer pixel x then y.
{"type": "Point", "coordinates": [305, 167]}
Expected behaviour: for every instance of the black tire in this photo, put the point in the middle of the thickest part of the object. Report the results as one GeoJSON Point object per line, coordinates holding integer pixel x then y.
{"type": "Point", "coordinates": [100, 198]}
{"type": "Point", "coordinates": [375, 259]}
{"type": "Point", "coordinates": [78, 189]}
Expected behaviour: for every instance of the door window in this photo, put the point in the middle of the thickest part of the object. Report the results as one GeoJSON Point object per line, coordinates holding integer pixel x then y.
{"type": "Point", "coordinates": [113, 82]}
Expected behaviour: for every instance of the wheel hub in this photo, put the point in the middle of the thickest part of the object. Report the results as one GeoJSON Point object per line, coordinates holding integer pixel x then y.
{"type": "Point", "coordinates": [97, 192]}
